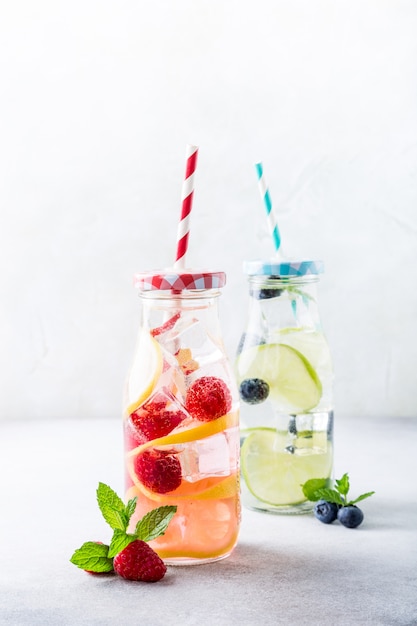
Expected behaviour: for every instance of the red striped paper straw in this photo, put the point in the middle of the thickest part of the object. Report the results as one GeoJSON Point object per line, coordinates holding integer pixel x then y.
{"type": "Point", "coordinates": [187, 204]}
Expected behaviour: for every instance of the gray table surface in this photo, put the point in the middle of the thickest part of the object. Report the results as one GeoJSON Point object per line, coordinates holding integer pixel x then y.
{"type": "Point", "coordinates": [285, 569]}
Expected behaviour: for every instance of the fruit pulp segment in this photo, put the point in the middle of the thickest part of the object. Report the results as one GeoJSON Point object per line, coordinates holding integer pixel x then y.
{"type": "Point", "coordinates": [145, 372]}
{"type": "Point", "coordinates": [293, 383]}
{"type": "Point", "coordinates": [313, 345]}
{"type": "Point", "coordinates": [274, 470]}
{"type": "Point", "coordinates": [296, 365]}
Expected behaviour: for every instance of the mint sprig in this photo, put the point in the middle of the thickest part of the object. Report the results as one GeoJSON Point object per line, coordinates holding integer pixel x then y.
{"type": "Point", "coordinates": [93, 557]}
{"type": "Point", "coordinates": [320, 489]}
{"type": "Point", "coordinates": [98, 557]}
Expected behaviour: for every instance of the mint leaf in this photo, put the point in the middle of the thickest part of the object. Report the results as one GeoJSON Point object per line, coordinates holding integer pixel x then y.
{"type": "Point", "coordinates": [111, 507]}
{"type": "Point", "coordinates": [362, 497]}
{"type": "Point", "coordinates": [115, 519]}
{"type": "Point", "coordinates": [93, 557]}
{"type": "Point", "coordinates": [342, 485]}
{"type": "Point", "coordinates": [106, 495]}
{"type": "Point", "coordinates": [330, 495]}
{"type": "Point", "coordinates": [154, 523]}
{"type": "Point", "coordinates": [119, 542]}
{"type": "Point", "coordinates": [130, 508]}
{"type": "Point", "coordinates": [310, 487]}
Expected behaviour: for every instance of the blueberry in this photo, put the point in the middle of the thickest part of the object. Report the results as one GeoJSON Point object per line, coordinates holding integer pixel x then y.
{"type": "Point", "coordinates": [350, 516]}
{"type": "Point", "coordinates": [266, 294]}
{"type": "Point", "coordinates": [325, 511]}
{"type": "Point", "coordinates": [254, 390]}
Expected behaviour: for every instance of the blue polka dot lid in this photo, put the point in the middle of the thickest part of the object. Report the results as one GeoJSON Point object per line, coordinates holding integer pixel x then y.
{"type": "Point", "coordinates": [283, 269]}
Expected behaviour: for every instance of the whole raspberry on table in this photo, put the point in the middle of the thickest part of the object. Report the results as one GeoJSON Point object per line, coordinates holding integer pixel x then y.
{"type": "Point", "coordinates": [128, 553]}
{"type": "Point", "coordinates": [154, 419]}
{"type": "Point", "coordinates": [158, 470]}
{"type": "Point", "coordinates": [208, 398]}
{"type": "Point", "coordinates": [139, 562]}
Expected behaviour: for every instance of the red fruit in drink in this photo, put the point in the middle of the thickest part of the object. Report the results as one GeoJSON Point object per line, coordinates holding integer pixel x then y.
{"type": "Point", "coordinates": [167, 326]}
{"type": "Point", "coordinates": [139, 562]}
{"type": "Point", "coordinates": [158, 470]}
{"type": "Point", "coordinates": [186, 361]}
{"type": "Point", "coordinates": [156, 418]}
{"type": "Point", "coordinates": [208, 398]}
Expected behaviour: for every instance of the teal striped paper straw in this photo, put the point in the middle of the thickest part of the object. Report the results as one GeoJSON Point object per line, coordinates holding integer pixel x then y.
{"type": "Point", "coordinates": [263, 188]}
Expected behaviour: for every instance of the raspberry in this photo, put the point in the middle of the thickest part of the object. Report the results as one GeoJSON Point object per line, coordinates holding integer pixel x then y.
{"type": "Point", "coordinates": [154, 419]}
{"type": "Point", "coordinates": [139, 562]}
{"type": "Point", "coordinates": [208, 398]}
{"type": "Point", "coordinates": [158, 470]}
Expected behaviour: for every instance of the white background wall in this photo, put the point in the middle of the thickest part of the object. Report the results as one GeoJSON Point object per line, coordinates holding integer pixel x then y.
{"type": "Point", "coordinates": [98, 100]}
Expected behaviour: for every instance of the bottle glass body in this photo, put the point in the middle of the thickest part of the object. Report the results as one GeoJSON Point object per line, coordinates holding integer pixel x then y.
{"type": "Point", "coordinates": [285, 377]}
{"type": "Point", "coordinates": [181, 426]}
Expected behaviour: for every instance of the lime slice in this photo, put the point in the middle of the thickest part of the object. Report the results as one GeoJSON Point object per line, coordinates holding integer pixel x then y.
{"type": "Point", "coordinates": [274, 475]}
{"type": "Point", "coordinates": [294, 384]}
{"type": "Point", "coordinates": [145, 372]}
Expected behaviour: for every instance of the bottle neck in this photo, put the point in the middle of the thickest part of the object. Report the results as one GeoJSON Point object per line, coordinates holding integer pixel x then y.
{"type": "Point", "coordinates": [183, 310]}
{"type": "Point", "coordinates": [281, 302]}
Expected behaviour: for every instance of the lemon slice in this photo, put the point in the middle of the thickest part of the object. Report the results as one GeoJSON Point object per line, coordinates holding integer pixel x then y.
{"type": "Point", "coordinates": [294, 384]}
{"type": "Point", "coordinates": [190, 434]}
{"type": "Point", "coordinates": [208, 490]}
{"type": "Point", "coordinates": [145, 372]}
{"type": "Point", "coordinates": [274, 475]}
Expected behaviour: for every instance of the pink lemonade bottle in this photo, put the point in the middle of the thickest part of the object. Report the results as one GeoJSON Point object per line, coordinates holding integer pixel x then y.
{"type": "Point", "coordinates": [181, 417]}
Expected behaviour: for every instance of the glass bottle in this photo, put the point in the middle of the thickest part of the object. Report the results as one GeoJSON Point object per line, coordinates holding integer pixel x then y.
{"type": "Point", "coordinates": [181, 418]}
{"type": "Point", "coordinates": [285, 378]}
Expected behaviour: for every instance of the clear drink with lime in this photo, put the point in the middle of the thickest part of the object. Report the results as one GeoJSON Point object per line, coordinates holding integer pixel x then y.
{"type": "Point", "coordinates": [285, 377]}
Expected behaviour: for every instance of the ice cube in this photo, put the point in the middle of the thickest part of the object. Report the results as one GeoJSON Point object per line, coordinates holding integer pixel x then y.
{"type": "Point", "coordinates": [190, 334]}
{"type": "Point", "coordinates": [205, 458]}
{"type": "Point", "coordinates": [218, 369]}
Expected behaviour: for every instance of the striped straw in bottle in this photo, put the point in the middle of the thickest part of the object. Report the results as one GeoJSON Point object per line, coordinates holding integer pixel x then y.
{"type": "Point", "coordinates": [263, 188]}
{"type": "Point", "coordinates": [186, 206]}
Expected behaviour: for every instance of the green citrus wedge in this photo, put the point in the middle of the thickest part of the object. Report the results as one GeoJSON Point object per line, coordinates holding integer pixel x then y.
{"type": "Point", "coordinates": [294, 384]}
{"type": "Point", "coordinates": [275, 475]}
{"type": "Point", "coordinates": [145, 372]}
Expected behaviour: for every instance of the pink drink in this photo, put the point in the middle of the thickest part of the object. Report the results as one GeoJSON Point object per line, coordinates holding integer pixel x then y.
{"type": "Point", "coordinates": [181, 419]}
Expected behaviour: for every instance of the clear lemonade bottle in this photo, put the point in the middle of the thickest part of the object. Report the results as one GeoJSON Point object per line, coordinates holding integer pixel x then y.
{"type": "Point", "coordinates": [285, 377]}
{"type": "Point", "coordinates": [181, 417]}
